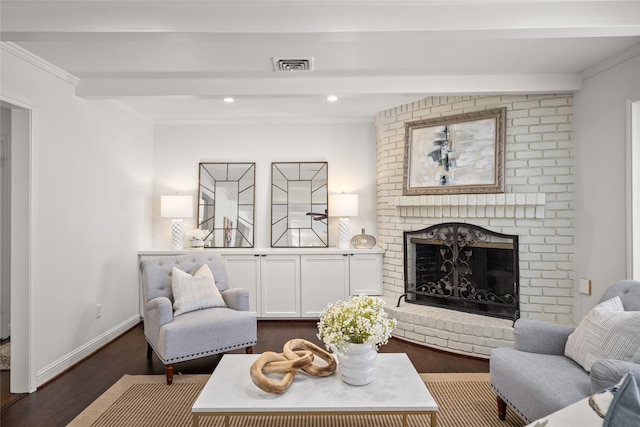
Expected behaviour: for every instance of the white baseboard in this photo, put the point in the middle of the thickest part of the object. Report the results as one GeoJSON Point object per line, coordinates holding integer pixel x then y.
{"type": "Point", "coordinates": [59, 366]}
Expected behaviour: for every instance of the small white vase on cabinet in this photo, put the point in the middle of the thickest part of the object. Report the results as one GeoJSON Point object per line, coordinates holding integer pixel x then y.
{"type": "Point", "coordinates": [356, 363]}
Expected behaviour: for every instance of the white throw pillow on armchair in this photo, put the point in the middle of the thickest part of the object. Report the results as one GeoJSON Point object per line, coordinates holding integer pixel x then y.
{"type": "Point", "coordinates": [195, 292]}
{"type": "Point", "coordinates": [606, 332]}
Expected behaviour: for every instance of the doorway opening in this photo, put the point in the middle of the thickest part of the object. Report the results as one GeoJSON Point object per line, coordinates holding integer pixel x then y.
{"type": "Point", "coordinates": [15, 244]}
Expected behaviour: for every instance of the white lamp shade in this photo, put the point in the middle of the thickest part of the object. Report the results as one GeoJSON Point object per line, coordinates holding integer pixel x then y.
{"type": "Point", "coordinates": [176, 206]}
{"type": "Point", "coordinates": [343, 205]}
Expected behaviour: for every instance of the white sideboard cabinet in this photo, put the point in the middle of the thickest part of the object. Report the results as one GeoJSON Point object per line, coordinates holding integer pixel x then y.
{"type": "Point", "coordinates": [324, 279]}
{"type": "Point", "coordinates": [273, 282]}
{"type": "Point", "coordinates": [365, 274]}
{"type": "Point", "coordinates": [244, 272]}
{"type": "Point", "coordinates": [297, 283]}
{"type": "Point", "coordinates": [280, 285]}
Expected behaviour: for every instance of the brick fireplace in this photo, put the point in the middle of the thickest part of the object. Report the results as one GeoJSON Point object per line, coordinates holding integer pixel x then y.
{"type": "Point", "coordinates": [537, 205]}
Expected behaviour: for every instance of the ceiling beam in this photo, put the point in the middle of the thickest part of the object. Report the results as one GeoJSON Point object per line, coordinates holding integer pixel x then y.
{"type": "Point", "coordinates": [259, 87]}
{"type": "Point", "coordinates": [301, 16]}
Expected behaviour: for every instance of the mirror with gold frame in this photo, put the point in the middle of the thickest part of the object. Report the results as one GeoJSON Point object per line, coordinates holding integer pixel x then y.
{"type": "Point", "coordinates": [299, 204]}
{"type": "Point", "coordinates": [226, 204]}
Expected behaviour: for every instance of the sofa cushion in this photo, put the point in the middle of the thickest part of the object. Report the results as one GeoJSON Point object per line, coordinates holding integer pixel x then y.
{"type": "Point", "coordinates": [204, 332]}
{"type": "Point", "coordinates": [535, 385]}
{"type": "Point", "coordinates": [195, 292]}
{"type": "Point", "coordinates": [606, 332]}
{"type": "Point", "coordinates": [624, 409]}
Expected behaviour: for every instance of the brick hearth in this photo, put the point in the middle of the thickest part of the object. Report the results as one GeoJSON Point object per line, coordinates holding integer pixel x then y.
{"type": "Point", "coordinates": [449, 330]}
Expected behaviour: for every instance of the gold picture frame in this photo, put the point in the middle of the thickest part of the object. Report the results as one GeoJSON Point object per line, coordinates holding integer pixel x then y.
{"type": "Point", "coordinates": [457, 154]}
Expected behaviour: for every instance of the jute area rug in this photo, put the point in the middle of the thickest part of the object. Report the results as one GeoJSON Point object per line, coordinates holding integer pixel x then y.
{"type": "Point", "coordinates": [465, 400]}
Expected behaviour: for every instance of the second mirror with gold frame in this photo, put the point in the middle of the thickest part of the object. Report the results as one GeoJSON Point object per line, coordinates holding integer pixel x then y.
{"type": "Point", "coordinates": [226, 204]}
{"type": "Point", "coordinates": [299, 204]}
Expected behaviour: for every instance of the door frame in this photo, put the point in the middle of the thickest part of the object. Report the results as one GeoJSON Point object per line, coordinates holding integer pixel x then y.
{"type": "Point", "coordinates": [633, 187]}
{"type": "Point", "coordinates": [23, 134]}
{"type": "Point", "coordinates": [5, 232]}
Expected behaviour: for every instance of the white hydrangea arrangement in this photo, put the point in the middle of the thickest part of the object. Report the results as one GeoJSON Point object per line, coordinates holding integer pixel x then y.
{"type": "Point", "coordinates": [361, 319]}
{"type": "Point", "coordinates": [198, 234]}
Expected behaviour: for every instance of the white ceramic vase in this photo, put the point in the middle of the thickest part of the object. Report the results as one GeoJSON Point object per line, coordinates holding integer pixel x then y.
{"type": "Point", "coordinates": [357, 363]}
{"type": "Point", "coordinates": [197, 243]}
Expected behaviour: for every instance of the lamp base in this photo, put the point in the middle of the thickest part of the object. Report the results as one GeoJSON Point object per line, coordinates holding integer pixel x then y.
{"type": "Point", "coordinates": [177, 234]}
{"type": "Point", "coordinates": [344, 234]}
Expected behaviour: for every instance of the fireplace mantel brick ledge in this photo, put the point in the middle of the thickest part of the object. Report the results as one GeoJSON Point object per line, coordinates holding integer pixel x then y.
{"type": "Point", "coordinates": [502, 205]}
{"type": "Point", "coordinates": [454, 331]}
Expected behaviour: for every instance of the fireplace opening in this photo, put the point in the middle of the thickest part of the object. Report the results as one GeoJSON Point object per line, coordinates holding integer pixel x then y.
{"type": "Point", "coordinates": [462, 267]}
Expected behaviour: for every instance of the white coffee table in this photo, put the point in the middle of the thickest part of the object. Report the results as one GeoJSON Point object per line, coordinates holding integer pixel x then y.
{"type": "Point", "coordinates": [396, 389]}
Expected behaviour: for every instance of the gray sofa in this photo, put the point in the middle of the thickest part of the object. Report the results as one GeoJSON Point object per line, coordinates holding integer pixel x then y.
{"type": "Point", "coordinates": [535, 379]}
{"type": "Point", "coordinates": [198, 333]}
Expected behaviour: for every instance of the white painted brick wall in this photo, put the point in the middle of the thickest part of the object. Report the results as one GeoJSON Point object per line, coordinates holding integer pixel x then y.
{"type": "Point", "coordinates": [538, 203]}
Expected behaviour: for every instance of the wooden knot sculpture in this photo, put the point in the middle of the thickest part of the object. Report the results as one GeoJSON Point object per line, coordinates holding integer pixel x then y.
{"type": "Point", "coordinates": [296, 354]}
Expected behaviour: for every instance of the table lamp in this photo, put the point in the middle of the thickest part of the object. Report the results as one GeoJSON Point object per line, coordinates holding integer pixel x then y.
{"type": "Point", "coordinates": [343, 206]}
{"type": "Point", "coordinates": [176, 208]}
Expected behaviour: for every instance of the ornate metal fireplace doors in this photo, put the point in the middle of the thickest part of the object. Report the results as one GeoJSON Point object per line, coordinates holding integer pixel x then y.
{"type": "Point", "coordinates": [462, 267]}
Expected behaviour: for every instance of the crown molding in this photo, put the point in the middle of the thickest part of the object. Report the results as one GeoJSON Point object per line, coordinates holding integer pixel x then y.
{"type": "Point", "coordinates": [35, 60]}
{"type": "Point", "coordinates": [611, 62]}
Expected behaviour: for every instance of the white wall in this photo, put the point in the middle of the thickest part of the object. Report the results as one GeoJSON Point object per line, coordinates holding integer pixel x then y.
{"type": "Point", "coordinates": [600, 158]}
{"type": "Point", "coordinates": [91, 195]}
{"type": "Point", "coordinates": [349, 148]}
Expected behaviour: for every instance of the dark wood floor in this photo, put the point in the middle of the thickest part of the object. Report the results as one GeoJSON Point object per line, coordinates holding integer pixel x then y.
{"type": "Point", "coordinates": [62, 399]}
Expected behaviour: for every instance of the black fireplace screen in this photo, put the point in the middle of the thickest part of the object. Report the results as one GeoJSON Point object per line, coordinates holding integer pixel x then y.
{"type": "Point", "coordinates": [462, 267]}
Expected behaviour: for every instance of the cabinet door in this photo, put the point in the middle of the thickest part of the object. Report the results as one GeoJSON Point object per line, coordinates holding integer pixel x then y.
{"type": "Point", "coordinates": [324, 279]}
{"type": "Point", "coordinates": [244, 272]}
{"type": "Point", "coordinates": [280, 278]}
{"type": "Point", "coordinates": [365, 274]}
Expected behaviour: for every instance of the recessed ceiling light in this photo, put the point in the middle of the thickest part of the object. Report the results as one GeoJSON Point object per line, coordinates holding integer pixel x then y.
{"type": "Point", "coordinates": [332, 98]}
{"type": "Point", "coordinates": [228, 99]}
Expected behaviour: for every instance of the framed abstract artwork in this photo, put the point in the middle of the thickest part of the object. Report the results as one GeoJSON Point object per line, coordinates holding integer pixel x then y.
{"type": "Point", "coordinates": [456, 154]}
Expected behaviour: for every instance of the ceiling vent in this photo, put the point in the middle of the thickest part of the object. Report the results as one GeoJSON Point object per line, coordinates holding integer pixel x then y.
{"type": "Point", "coordinates": [292, 64]}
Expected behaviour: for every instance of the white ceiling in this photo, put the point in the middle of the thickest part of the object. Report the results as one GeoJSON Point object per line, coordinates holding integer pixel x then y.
{"type": "Point", "coordinates": [174, 61]}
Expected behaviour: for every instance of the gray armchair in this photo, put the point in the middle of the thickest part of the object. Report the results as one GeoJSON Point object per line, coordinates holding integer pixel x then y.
{"type": "Point", "coordinates": [535, 378]}
{"type": "Point", "coordinates": [198, 333]}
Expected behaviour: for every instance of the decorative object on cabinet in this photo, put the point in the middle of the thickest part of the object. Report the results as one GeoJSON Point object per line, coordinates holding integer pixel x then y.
{"type": "Point", "coordinates": [197, 237]}
{"type": "Point", "coordinates": [456, 154]}
{"type": "Point", "coordinates": [299, 204]}
{"type": "Point", "coordinates": [226, 203]}
{"type": "Point", "coordinates": [343, 206]}
{"type": "Point", "coordinates": [363, 241]}
{"type": "Point", "coordinates": [176, 207]}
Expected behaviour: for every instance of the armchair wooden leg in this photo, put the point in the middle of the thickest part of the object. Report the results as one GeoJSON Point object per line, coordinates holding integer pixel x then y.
{"type": "Point", "coordinates": [248, 350]}
{"type": "Point", "coordinates": [149, 351]}
{"type": "Point", "coordinates": [169, 371]}
{"type": "Point", "coordinates": [502, 409]}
